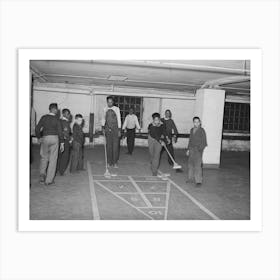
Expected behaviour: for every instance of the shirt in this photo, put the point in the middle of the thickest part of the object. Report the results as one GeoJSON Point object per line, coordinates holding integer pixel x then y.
{"type": "Point", "coordinates": [197, 139]}
{"type": "Point", "coordinates": [157, 132]}
{"type": "Point", "coordinates": [78, 134]}
{"type": "Point", "coordinates": [66, 129]}
{"type": "Point", "coordinates": [116, 110]}
{"type": "Point", "coordinates": [170, 127]}
{"type": "Point", "coordinates": [131, 121]}
{"type": "Point", "coordinates": [49, 125]}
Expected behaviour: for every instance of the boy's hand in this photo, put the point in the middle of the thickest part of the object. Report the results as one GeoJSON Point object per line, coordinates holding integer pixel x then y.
{"type": "Point", "coordinates": [40, 140]}
{"type": "Point", "coordinates": [187, 153]}
{"type": "Point", "coordinates": [168, 140]}
{"type": "Point", "coordinates": [61, 148]}
{"type": "Point", "coordinates": [175, 139]}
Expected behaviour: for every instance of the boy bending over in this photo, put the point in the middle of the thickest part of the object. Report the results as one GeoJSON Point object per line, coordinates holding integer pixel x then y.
{"type": "Point", "coordinates": [156, 139]}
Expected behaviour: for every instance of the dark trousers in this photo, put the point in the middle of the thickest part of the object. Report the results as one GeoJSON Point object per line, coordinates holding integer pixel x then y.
{"type": "Point", "coordinates": [195, 165]}
{"type": "Point", "coordinates": [63, 158]}
{"type": "Point", "coordinates": [112, 145]}
{"type": "Point", "coordinates": [171, 151]}
{"type": "Point", "coordinates": [76, 157]}
{"type": "Point", "coordinates": [130, 134]}
{"type": "Point", "coordinates": [154, 150]}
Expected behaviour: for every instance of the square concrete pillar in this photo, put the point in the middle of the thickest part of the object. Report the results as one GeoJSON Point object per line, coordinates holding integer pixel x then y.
{"type": "Point", "coordinates": [209, 106]}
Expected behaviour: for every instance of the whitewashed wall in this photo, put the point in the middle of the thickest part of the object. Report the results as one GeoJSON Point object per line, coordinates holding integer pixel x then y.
{"type": "Point", "coordinates": [182, 111]}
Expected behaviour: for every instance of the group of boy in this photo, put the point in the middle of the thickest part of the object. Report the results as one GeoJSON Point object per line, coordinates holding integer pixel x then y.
{"type": "Point", "coordinates": [59, 144]}
{"type": "Point", "coordinates": [161, 132]}
{"type": "Point", "coordinates": [56, 140]}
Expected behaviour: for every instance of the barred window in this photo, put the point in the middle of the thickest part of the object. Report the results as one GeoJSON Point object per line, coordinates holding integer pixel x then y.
{"type": "Point", "coordinates": [126, 102]}
{"type": "Point", "coordinates": [236, 117]}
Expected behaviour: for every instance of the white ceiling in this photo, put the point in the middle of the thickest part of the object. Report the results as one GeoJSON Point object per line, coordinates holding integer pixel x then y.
{"type": "Point", "coordinates": [179, 75]}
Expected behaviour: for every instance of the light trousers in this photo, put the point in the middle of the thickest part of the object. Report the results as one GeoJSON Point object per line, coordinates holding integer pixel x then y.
{"type": "Point", "coordinates": [49, 153]}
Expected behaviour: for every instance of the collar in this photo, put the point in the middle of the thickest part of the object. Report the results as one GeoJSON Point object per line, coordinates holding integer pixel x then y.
{"type": "Point", "coordinates": [63, 118]}
{"type": "Point", "coordinates": [52, 114]}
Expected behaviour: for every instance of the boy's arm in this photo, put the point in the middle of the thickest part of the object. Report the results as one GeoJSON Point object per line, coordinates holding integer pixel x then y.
{"type": "Point", "coordinates": [203, 140]}
{"type": "Point", "coordinates": [60, 132]}
{"type": "Point", "coordinates": [39, 127]}
{"type": "Point", "coordinates": [174, 127]}
{"type": "Point", "coordinates": [125, 123]}
{"type": "Point", "coordinates": [137, 123]}
{"type": "Point", "coordinates": [119, 118]}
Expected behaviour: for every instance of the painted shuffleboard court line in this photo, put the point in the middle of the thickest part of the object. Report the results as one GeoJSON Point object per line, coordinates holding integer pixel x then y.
{"type": "Point", "coordinates": [196, 202]}
{"type": "Point", "coordinates": [148, 203]}
{"type": "Point", "coordinates": [119, 197]}
{"type": "Point", "coordinates": [95, 210]}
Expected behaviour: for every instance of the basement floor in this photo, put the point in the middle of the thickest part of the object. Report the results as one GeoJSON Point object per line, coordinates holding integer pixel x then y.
{"type": "Point", "coordinates": [133, 194]}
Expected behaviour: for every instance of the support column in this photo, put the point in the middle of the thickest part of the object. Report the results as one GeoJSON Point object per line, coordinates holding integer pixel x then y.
{"type": "Point", "coordinates": [209, 106]}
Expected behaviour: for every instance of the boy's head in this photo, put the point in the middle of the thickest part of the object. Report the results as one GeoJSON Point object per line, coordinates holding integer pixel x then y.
{"type": "Point", "coordinates": [156, 118]}
{"type": "Point", "coordinates": [79, 119]}
{"type": "Point", "coordinates": [131, 110]}
{"type": "Point", "coordinates": [53, 108]}
{"type": "Point", "coordinates": [196, 122]}
{"type": "Point", "coordinates": [168, 114]}
{"type": "Point", "coordinates": [66, 113]}
{"type": "Point", "coordinates": [110, 101]}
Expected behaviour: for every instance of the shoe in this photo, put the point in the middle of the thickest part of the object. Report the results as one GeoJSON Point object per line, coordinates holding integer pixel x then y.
{"type": "Point", "coordinates": [159, 176]}
{"type": "Point", "coordinates": [50, 184]}
{"type": "Point", "coordinates": [115, 166]}
{"type": "Point", "coordinates": [42, 179]}
{"type": "Point", "coordinates": [198, 185]}
{"type": "Point", "coordinates": [179, 171]}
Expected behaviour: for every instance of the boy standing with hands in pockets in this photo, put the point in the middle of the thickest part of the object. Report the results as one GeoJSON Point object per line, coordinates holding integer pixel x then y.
{"type": "Point", "coordinates": [197, 144]}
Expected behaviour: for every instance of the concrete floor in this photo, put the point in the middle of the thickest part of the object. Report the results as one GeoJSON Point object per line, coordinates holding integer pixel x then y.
{"type": "Point", "coordinates": [225, 193]}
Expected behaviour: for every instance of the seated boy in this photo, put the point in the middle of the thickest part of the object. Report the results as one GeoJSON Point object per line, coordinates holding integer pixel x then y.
{"type": "Point", "coordinates": [156, 139]}
{"type": "Point", "coordinates": [197, 144]}
{"type": "Point", "coordinates": [77, 145]}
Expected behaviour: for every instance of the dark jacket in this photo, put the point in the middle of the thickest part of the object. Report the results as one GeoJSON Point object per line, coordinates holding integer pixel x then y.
{"type": "Point", "coordinates": [197, 139]}
{"type": "Point", "coordinates": [170, 127]}
{"type": "Point", "coordinates": [157, 132]}
{"type": "Point", "coordinates": [49, 125]}
{"type": "Point", "coordinates": [78, 134]}
{"type": "Point", "coordinates": [66, 129]}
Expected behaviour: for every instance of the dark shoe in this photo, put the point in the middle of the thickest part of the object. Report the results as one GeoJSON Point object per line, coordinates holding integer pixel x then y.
{"type": "Point", "coordinates": [42, 179]}
{"type": "Point", "coordinates": [179, 170]}
{"type": "Point", "coordinates": [50, 184]}
{"type": "Point", "coordinates": [198, 185]}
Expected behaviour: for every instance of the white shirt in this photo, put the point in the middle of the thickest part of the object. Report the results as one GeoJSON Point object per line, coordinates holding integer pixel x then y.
{"type": "Point", "coordinates": [130, 122]}
{"type": "Point", "coordinates": [116, 110]}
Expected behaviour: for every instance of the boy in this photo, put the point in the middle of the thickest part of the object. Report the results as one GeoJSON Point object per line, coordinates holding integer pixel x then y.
{"type": "Point", "coordinates": [130, 124]}
{"type": "Point", "coordinates": [172, 133]}
{"type": "Point", "coordinates": [50, 128]}
{"type": "Point", "coordinates": [197, 144]}
{"type": "Point", "coordinates": [111, 126]}
{"type": "Point", "coordinates": [156, 139]}
{"type": "Point", "coordinates": [77, 145]}
{"type": "Point", "coordinates": [63, 157]}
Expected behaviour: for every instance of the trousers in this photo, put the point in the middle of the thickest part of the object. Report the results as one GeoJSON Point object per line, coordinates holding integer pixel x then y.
{"type": "Point", "coordinates": [77, 160]}
{"type": "Point", "coordinates": [154, 150]}
{"type": "Point", "coordinates": [49, 153]}
{"type": "Point", "coordinates": [130, 134]}
{"type": "Point", "coordinates": [195, 165]}
{"type": "Point", "coordinates": [63, 158]}
{"type": "Point", "coordinates": [112, 145]}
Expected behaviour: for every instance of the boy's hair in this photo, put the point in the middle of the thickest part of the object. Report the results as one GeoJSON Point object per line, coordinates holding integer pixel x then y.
{"type": "Point", "coordinates": [53, 106]}
{"type": "Point", "coordinates": [155, 115]}
{"type": "Point", "coordinates": [110, 97]}
{"type": "Point", "coordinates": [65, 111]}
{"type": "Point", "coordinates": [196, 118]}
{"type": "Point", "coordinates": [78, 116]}
{"type": "Point", "coordinates": [169, 112]}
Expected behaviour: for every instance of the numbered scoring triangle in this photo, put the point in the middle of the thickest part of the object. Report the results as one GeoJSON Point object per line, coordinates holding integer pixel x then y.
{"type": "Point", "coordinates": [155, 212]}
